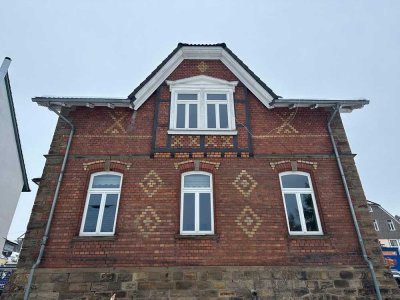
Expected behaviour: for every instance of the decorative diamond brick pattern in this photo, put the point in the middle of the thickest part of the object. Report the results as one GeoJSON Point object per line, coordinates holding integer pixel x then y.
{"type": "Point", "coordinates": [180, 141]}
{"type": "Point", "coordinates": [151, 183]}
{"type": "Point", "coordinates": [211, 141]}
{"type": "Point", "coordinates": [287, 127]}
{"type": "Point", "coordinates": [202, 66]}
{"type": "Point", "coordinates": [214, 141]}
{"type": "Point", "coordinates": [147, 221]}
{"type": "Point", "coordinates": [248, 221]}
{"type": "Point", "coordinates": [245, 183]}
{"type": "Point", "coordinates": [117, 126]}
{"type": "Point", "coordinates": [227, 141]}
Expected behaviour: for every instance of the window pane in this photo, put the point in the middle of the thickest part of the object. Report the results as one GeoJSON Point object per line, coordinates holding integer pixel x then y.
{"type": "Point", "coordinates": [106, 181]}
{"type": "Point", "coordinates": [205, 212]}
{"type": "Point", "coordinates": [295, 181]}
{"type": "Point", "coordinates": [92, 213]}
{"type": "Point", "coordinates": [196, 180]}
{"type": "Point", "coordinates": [292, 212]}
{"type": "Point", "coordinates": [110, 209]}
{"type": "Point", "coordinates": [211, 118]}
{"type": "Point", "coordinates": [223, 116]}
{"type": "Point", "coordinates": [216, 96]}
{"type": "Point", "coordinates": [192, 115]}
{"type": "Point", "coordinates": [180, 116]}
{"type": "Point", "coordinates": [187, 96]}
{"type": "Point", "coordinates": [309, 212]}
{"type": "Point", "coordinates": [394, 243]}
{"type": "Point", "coordinates": [188, 212]}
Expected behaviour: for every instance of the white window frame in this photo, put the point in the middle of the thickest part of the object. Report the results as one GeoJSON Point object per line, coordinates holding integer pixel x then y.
{"type": "Point", "coordinates": [391, 225]}
{"type": "Point", "coordinates": [376, 226]}
{"type": "Point", "coordinates": [103, 192]}
{"type": "Point", "coordinates": [370, 208]}
{"type": "Point", "coordinates": [197, 191]}
{"type": "Point", "coordinates": [397, 242]}
{"type": "Point", "coordinates": [202, 85]}
{"type": "Point", "coordinates": [297, 192]}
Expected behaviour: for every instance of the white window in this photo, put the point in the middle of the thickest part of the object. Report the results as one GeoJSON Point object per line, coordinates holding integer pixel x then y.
{"type": "Point", "coordinates": [376, 225]}
{"type": "Point", "coordinates": [394, 243]}
{"type": "Point", "coordinates": [197, 213]}
{"type": "Point", "coordinates": [102, 202]}
{"type": "Point", "coordinates": [300, 206]}
{"type": "Point", "coordinates": [391, 225]}
{"type": "Point", "coordinates": [202, 105]}
{"type": "Point", "coordinates": [370, 208]}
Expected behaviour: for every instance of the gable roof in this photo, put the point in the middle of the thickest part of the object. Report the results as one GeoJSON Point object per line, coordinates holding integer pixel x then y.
{"type": "Point", "coordinates": [384, 210]}
{"type": "Point", "coordinates": [202, 51]}
{"type": "Point", "coordinates": [4, 76]}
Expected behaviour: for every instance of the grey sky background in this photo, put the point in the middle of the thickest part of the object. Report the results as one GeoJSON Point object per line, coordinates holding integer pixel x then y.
{"type": "Point", "coordinates": [316, 49]}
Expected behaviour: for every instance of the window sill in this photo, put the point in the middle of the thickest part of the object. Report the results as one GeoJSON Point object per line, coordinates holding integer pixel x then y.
{"type": "Point", "coordinates": [196, 237]}
{"type": "Point", "coordinates": [202, 132]}
{"type": "Point", "coordinates": [309, 237]}
{"type": "Point", "coordinates": [94, 238]}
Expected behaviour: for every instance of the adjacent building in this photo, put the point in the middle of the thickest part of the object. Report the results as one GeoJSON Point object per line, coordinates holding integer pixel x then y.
{"type": "Point", "coordinates": [13, 179]}
{"type": "Point", "coordinates": [386, 225]}
{"type": "Point", "coordinates": [201, 184]}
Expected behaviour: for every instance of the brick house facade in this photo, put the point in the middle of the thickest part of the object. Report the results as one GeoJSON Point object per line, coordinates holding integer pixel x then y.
{"type": "Point", "coordinates": [213, 240]}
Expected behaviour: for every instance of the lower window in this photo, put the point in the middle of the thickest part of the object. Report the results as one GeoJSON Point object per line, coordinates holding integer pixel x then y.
{"type": "Point", "coordinates": [101, 206]}
{"type": "Point", "coordinates": [300, 205]}
{"type": "Point", "coordinates": [197, 216]}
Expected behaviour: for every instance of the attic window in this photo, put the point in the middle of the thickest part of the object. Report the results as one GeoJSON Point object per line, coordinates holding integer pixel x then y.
{"type": "Point", "coordinates": [202, 105]}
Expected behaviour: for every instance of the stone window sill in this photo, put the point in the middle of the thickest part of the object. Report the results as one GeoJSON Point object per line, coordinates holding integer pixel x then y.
{"type": "Point", "coordinates": [95, 238]}
{"type": "Point", "coordinates": [202, 132]}
{"type": "Point", "coordinates": [196, 237]}
{"type": "Point", "coordinates": [309, 237]}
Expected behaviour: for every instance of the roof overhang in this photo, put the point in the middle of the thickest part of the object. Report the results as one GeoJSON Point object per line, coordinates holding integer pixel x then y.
{"type": "Point", "coordinates": [345, 105]}
{"type": "Point", "coordinates": [220, 52]}
{"type": "Point", "coordinates": [59, 102]}
{"type": "Point", "coordinates": [4, 77]}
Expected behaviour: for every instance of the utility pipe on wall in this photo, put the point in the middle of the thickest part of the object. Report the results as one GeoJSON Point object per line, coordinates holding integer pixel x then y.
{"type": "Point", "coordinates": [53, 205]}
{"type": "Point", "coordinates": [353, 214]}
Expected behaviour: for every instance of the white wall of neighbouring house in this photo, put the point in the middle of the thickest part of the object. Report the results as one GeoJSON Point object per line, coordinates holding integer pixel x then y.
{"type": "Point", "coordinates": [11, 177]}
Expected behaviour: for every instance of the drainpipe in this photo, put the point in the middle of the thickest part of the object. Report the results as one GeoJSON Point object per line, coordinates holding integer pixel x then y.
{"type": "Point", "coordinates": [353, 214]}
{"type": "Point", "coordinates": [53, 205]}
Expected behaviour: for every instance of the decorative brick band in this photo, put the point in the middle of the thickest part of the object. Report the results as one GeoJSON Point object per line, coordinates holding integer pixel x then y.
{"type": "Point", "coordinates": [113, 136]}
{"type": "Point", "coordinates": [201, 155]}
{"type": "Point", "coordinates": [296, 136]}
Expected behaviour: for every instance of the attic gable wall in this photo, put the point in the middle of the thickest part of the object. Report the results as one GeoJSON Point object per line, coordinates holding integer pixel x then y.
{"type": "Point", "coordinates": [194, 67]}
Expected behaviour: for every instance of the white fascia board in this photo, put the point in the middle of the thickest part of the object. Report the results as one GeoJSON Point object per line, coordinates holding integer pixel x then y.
{"type": "Point", "coordinates": [145, 92]}
{"type": "Point", "coordinates": [247, 79]}
{"type": "Point", "coordinates": [212, 53]}
{"type": "Point", "coordinates": [4, 67]}
{"type": "Point", "coordinates": [202, 81]}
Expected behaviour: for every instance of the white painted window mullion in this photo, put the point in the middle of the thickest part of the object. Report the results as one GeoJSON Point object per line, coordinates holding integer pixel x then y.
{"type": "Point", "coordinates": [101, 212]}
{"type": "Point", "coordinates": [197, 212]}
{"type": "Point", "coordinates": [301, 213]}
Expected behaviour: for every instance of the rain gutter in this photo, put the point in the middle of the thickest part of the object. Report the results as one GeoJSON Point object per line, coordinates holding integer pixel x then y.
{"type": "Point", "coordinates": [53, 205]}
{"type": "Point", "coordinates": [353, 214]}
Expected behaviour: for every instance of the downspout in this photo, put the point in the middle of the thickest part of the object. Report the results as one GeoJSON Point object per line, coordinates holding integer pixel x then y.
{"type": "Point", "coordinates": [353, 214]}
{"type": "Point", "coordinates": [53, 205]}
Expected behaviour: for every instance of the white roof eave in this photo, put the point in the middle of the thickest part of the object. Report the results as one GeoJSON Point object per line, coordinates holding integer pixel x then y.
{"type": "Point", "coordinates": [213, 53]}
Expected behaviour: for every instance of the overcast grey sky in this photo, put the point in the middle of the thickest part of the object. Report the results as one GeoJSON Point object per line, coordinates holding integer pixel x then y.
{"type": "Point", "coordinates": [317, 49]}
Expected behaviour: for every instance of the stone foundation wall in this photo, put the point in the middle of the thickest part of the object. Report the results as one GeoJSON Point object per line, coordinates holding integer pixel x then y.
{"type": "Point", "coordinates": [200, 283]}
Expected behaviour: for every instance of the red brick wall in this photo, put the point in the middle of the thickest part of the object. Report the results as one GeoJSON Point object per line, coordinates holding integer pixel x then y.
{"type": "Point", "coordinates": [110, 139]}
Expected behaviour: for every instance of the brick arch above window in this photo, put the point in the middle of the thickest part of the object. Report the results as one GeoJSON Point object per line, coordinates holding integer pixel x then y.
{"type": "Point", "coordinates": [197, 165]}
{"type": "Point", "coordinates": [106, 165]}
{"type": "Point", "coordinates": [293, 165]}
